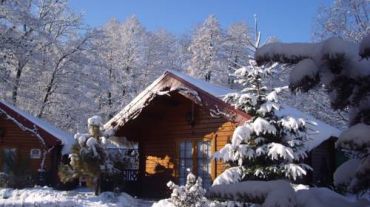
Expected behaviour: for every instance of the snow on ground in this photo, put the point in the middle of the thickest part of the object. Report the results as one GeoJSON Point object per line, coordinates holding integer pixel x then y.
{"type": "Point", "coordinates": [163, 203]}
{"type": "Point", "coordinates": [48, 197]}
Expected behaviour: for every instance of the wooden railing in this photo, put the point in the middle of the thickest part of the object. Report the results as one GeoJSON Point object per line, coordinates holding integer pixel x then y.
{"type": "Point", "coordinates": [130, 175]}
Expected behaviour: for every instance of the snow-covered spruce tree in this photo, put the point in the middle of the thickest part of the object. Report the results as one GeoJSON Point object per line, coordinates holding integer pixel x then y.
{"type": "Point", "coordinates": [89, 158]}
{"type": "Point", "coordinates": [268, 146]}
{"type": "Point", "coordinates": [344, 68]}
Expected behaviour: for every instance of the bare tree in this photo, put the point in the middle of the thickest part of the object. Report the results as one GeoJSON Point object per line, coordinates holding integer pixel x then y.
{"type": "Point", "coordinates": [348, 19]}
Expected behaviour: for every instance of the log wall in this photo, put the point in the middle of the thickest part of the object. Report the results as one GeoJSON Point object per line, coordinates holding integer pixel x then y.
{"type": "Point", "coordinates": [159, 130]}
{"type": "Point", "coordinates": [23, 142]}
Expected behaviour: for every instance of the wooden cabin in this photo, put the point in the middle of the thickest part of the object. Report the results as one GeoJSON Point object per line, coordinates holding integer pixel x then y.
{"type": "Point", "coordinates": [178, 122]}
{"type": "Point", "coordinates": [30, 147]}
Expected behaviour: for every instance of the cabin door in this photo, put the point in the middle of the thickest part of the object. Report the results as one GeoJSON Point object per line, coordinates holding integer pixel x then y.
{"type": "Point", "coordinates": [196, 156]}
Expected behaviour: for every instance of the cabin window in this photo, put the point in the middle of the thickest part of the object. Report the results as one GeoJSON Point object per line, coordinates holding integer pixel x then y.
{"type": "Point", "coordinates": [196, 156]}
{"type": "Point", "coordinates": [185, 160]}
{"type": "Point", "coordinates": [204, 162]}
{"type": "Point", "coordinates": [35, 153]}
{"type": "Point", "coordinates": [9, 159]}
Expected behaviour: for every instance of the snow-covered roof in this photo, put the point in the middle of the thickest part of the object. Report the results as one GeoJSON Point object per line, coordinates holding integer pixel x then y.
{"type": "Point", "coordinates": [200, 92]}
{"type": "Point", "coordinates": [215, 90]}
{"type": "Point", "coordinates": [65, 137]}
{"type": "Point", "coordinates": [319, 132]}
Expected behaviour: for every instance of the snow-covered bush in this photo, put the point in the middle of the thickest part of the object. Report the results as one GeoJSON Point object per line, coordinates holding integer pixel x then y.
{"type": "Point", "coordinates": [192, 194]}
{"type": "Point", "coordinates": [343, 68]}
{"type": "Point", "coordinates": [89, 158]}
{"type": "Point", "coordinates": [189, 195]}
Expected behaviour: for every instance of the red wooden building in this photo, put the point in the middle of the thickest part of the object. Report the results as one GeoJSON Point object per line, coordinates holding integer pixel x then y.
{"type": "Point", "coordinates": [178, 123]}
{"type": "Point", "coordinates": [30, 144]}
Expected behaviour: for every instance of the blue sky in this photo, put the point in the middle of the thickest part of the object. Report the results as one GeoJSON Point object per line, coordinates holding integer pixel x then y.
{"type": "Point", "coordinates": [288, 20]}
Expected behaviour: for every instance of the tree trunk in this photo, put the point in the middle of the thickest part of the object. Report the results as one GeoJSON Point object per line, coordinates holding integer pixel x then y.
{"type": "Point", "coordinates": [16, 83]}
{"type": "Point", "coordinates": [46, 97]}
{"type": "Point", "coordinates": [110, 103]}
{"type": "Point", "coordinates": [98, 185]}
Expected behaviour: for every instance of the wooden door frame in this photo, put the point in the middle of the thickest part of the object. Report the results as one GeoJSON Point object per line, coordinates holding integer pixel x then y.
{"type": "Point", "coordinates": [212, 139]}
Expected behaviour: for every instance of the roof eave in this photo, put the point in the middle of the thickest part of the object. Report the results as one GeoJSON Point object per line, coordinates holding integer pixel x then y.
{"type": "Point", "coordinates": [209, 101]}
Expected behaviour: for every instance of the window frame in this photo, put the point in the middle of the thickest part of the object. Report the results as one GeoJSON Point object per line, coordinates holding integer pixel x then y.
{"type": "Point", "coordinates": [212, 140]}
{"type": "Point", "coordinates": [35, 156]}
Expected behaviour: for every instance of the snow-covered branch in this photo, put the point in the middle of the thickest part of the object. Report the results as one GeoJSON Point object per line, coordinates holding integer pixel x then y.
{"type": "Point", "coordinates": [336, 64]}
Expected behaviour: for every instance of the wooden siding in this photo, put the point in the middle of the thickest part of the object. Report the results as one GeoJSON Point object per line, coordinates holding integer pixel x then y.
{"type": "Point", "coordinates": [160, 128]}
{"type": "Point", "coordinates": [323, 163]}
{"type": "Point", "coordinates": [14, 137]}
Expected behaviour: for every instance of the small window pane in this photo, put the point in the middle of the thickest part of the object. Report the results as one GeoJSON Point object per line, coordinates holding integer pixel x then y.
{"type": "Point", "coordinates": [35, 153]}
{"type": "Point", "coordinates": [182, 149]}
{"type": "Point", "coordinates": [189, 152]}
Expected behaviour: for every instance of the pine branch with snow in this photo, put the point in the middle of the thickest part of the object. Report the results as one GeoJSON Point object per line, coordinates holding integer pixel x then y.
{"type": "Point", "coordinates": [343, 68]}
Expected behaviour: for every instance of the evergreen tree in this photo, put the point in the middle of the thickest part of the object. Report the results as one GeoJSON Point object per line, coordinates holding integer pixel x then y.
{"type": "Point", "coordinates": [268, 146]}
{"type": "Point", "coordinates": [343, 67]}
{"type": "Point", "coordinates": [89, 158]}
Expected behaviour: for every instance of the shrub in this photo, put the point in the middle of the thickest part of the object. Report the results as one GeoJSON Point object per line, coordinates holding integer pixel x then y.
{"type": "Point", "coordinates": [190, 195]}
